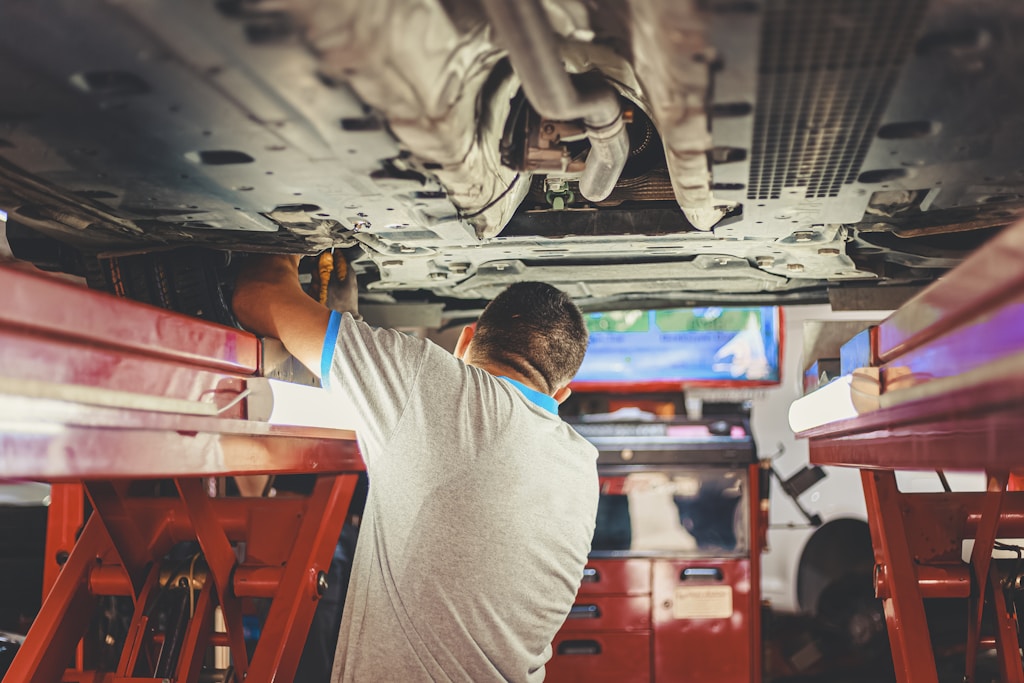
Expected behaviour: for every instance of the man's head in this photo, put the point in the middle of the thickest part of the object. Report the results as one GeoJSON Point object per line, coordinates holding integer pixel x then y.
{"type": "Point", "coordinates": [533, 329]}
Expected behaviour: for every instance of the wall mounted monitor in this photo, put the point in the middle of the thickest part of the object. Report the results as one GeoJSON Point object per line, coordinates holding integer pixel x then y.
{"type": "Point", "coordinates": [665, 350]}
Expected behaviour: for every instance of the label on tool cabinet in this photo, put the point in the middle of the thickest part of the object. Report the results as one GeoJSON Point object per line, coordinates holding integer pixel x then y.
{"type": "Point", "coordinates": [702, 602]}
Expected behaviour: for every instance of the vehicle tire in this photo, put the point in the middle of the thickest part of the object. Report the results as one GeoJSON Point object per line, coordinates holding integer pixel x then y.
{"type": "Point", "coordinates": [195, 282]}
{"type": "Point", "coordinates": [849, 609]}
{"type": "Point", "coordinates": [834, 583]}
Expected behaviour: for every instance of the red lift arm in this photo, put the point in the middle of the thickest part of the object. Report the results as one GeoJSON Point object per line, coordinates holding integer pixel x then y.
{"type": "Point", "coordinates": [106, 396]}
{"type": "Point", "coordinates": [949, 367]}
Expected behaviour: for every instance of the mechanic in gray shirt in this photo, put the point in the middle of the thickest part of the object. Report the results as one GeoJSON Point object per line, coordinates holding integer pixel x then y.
{"type": "Point", "coordinates": [482, 501]}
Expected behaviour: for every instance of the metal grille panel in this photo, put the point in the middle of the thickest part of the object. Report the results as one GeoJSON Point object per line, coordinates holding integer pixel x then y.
{"type": "Point", "coordinates": [827, 68]}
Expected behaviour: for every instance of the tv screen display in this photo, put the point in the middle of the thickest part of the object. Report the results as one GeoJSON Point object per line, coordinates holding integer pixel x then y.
{"type": "Point", "coordinates": [664, 349]}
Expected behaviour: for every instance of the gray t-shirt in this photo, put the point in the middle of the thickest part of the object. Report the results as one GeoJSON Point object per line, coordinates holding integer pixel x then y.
{"type": "Point", "coordinates": [479, 517]}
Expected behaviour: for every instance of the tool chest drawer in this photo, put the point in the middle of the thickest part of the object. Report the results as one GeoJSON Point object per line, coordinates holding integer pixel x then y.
{"type": "Point", "coordinates": [598, 657]}
{"type": "Point", "coordinates": [616, 577]}
{"type": "Point", "coordinates": [610, 613]}
{"type": "Point", "coordinates": [704, 620]}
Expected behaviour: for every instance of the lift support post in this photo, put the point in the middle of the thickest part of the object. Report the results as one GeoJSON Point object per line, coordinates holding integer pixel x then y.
{"type": "Point", "coordinates": [105, 398]}
{"type": "Point", "coordinates": [942, 388]}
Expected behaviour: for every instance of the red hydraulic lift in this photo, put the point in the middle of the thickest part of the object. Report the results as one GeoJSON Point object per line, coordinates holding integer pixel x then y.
{"type": "Point", "coordinates": [939, 386]}
{"type": "Point", "coordinates": [111, 400]}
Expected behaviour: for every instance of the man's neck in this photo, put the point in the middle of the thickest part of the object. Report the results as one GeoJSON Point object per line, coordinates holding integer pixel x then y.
{"type": "Point", "coordinates": [499, 370]}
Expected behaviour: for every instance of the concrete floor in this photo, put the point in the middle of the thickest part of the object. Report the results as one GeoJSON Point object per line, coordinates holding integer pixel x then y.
{"type": "Point", "coordinates": [798, 650]}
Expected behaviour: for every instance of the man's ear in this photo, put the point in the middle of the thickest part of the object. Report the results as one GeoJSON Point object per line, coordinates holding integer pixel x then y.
{"type": "Point", "coordinates": [463, 344]}
{"type": "Point", "coordinates": [562, 393]}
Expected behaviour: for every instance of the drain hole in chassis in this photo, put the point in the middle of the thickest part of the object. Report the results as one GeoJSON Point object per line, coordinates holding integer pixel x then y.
{"type": "Point", "coordinates": [955, 42]}
{"type": "Point", "coordinates": [907, 130]}
{"type": "Point", "coordinates": [882, 175]}
{"type": "Point", "coordinates": [110, 83]}
{"type": "Point", "coordinates": [219, 157]}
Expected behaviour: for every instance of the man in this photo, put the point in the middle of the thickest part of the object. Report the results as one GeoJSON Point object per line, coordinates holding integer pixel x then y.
{"type": "Point", "coordinates": [482, 501]}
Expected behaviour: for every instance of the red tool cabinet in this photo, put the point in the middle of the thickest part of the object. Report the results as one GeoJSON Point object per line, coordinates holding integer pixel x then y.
{"type": "Point", "coordinates": [607, 636]}
{"type": "Point", "coordinates": [671, 591]}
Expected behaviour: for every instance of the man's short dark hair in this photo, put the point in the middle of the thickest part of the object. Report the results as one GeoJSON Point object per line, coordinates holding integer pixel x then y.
{"type": "Point", "coordinates": [535, 329]}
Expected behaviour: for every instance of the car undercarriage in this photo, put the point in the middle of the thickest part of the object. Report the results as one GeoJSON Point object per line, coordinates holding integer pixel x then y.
{"type": "Point", "coordinates": [649, 153]}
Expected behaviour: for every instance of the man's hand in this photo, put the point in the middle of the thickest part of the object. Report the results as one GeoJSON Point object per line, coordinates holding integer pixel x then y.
{"type": "Point", "coordinates": [269, 301]}
{"type": "Point", "coordinates": [343, 293]}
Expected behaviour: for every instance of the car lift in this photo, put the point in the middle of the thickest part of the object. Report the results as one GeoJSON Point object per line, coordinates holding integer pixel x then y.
{"type": "Point", "coordinates": [104, 398]}
{"type": "Point", "coordinates": [940, 386]}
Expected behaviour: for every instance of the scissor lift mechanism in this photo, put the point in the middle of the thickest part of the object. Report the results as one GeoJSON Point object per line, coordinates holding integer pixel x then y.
{"type": "Point", "coordinates": [103, 396]}
{"type": "Point", "coordinates": [947, 371]}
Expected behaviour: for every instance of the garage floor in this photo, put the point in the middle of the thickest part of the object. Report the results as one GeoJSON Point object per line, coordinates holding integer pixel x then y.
{"type": "Point", "coordinates": [798, 650]}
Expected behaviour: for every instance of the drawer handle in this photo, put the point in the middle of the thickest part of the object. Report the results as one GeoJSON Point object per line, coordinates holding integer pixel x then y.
{"type": "Point", "coordinates": [579, 647]}
{"type": "Point", "coordinates": [701, 573]}
{"type": "Point", "coordinates": [591, 575]}
{"type": "Point", "coordinates": [585, 612]}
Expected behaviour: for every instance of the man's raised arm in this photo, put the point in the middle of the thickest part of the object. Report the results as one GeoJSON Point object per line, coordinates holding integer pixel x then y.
{"type": "Point", "coordinates": [269, 301]}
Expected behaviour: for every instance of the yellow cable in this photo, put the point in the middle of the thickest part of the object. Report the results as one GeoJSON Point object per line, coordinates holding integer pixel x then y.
{"type": "Point", "coordinates": [325, 265]}
{"type": "Point", "coordinates": [340, 269]}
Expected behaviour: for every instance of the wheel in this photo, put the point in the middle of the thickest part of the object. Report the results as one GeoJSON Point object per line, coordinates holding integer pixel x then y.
{"type": "Point", "coordinates": [190, 281]}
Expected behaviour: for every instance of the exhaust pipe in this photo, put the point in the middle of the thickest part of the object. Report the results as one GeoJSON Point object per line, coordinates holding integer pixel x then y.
{"type": "Point", "coordinates": [522, 28]}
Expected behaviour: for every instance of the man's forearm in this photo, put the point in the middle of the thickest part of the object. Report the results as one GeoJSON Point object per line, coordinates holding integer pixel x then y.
{"type": "Point", "coordinates": [265, 282]}
{"type": "Point", "coordinates": [269, 301]}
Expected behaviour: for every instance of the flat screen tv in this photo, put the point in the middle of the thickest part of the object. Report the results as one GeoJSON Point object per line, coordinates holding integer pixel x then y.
{"type": "Point", "coordinates": [664, 350]}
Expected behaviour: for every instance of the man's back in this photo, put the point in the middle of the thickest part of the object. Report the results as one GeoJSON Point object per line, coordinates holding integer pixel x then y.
{"type": "Point", "coordinates": [478, 523]}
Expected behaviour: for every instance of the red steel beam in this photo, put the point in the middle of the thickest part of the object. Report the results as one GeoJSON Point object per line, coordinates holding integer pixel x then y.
{"type": "Point", "coordinates": [904, 609]}
{"type": "Point", "coordinates": [201, 446]}
{"type": "Point", "coordinates": [1006, 642]}
{"type": "Point", "coordinates": [57, 309]}
{"type": "Point", "coordinates": [990, 441]}
{"type": "Point", "coordinates": [57, 339]}
{"type": "Point", "coordinates": [198, 634]}
{"type": "Point", "coordinates": [981, 559]}
{"type": "Point", "coordinates": [64, 519]}
{"type": "Point", "coordinates": [952, 370]}
{"type": "Point", "coordinates": [933, 581]}
{"type": "Point", "coordinates": [248, 582]}
{"type": "Point", "coordinates": [28, 356]}
{"type": "Point", "coordinates": [289, 577]}
{"type": "Point", "coordinates": [63, 617]}
{"type": "Point", "coordinates": [131, 546]}
{"type": "Point", "coordinates": [287, 623]}
{"type": "Point", "coordinates": [984, 281]}
{"type": "Point", "coordinates": [221, 560]}
{"type": "Point", "coordinates": [138, 629]}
